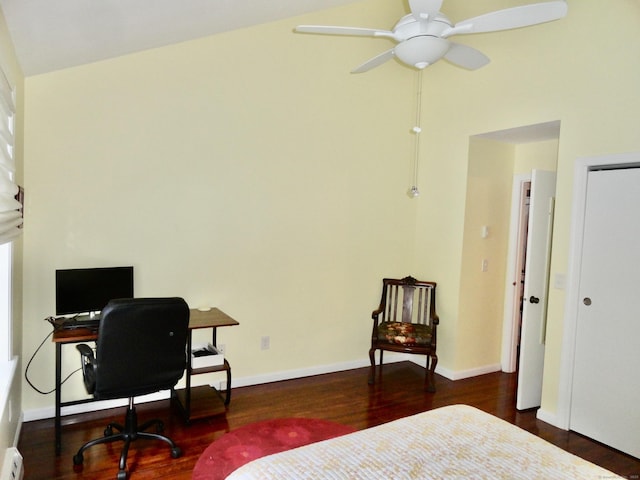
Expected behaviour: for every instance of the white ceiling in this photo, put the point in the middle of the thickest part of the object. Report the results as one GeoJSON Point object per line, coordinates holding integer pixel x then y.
{"type": "Point", "coordinates": [50, 35]}
{"type": "Point", "coordinates": [527, 134]}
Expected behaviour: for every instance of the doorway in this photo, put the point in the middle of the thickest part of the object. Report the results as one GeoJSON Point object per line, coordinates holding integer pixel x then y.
{"type": "Point", "coordinates": [527, 148]}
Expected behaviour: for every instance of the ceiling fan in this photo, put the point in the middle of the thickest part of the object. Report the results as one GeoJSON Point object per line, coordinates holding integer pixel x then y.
{"type": "Point", "coordinates": [422, 36]}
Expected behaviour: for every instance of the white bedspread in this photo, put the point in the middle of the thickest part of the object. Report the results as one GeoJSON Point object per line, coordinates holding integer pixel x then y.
{"type": "Point", "coordinates": [455, 442]}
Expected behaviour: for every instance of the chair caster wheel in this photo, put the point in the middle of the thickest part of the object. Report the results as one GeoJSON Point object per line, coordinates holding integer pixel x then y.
{"type": "Point", "coordinates": [176, 452]}
{"type": "Point", "coordinates": [122, 475]}
{"type": "Point", "coordinates": [78, 459]}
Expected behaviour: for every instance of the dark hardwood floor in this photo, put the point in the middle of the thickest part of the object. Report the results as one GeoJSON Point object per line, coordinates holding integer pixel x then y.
{"type": "Point", "coordinates": [342, 397]}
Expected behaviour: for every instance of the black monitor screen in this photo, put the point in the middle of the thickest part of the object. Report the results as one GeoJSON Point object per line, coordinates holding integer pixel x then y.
{"type": "Point", "coordinates": [83, 290]}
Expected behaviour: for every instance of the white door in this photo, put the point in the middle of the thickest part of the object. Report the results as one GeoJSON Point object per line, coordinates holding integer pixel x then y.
{"type": "Point", "coordinates": [606, 382]}
{"type": "Point", "coordinates": [536, 285]}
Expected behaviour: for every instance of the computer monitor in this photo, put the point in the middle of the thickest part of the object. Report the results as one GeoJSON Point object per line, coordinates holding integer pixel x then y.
{"type": "Point", "coordinates": [87, 290]}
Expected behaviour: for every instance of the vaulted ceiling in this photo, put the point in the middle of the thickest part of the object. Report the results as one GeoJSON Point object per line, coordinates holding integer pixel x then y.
{"type": "Point", "coordinates": [51, 35]}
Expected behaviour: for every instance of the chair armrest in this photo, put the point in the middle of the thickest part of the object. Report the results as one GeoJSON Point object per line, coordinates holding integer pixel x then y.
{"type": "Point", "coordinates": [376, 314]}
{"type": "Point", "coordinates": [435, 320]}
{"type": "Point", "coordinates": [88, 361]}
{"type": "Point", "coordinates": [85, 351]}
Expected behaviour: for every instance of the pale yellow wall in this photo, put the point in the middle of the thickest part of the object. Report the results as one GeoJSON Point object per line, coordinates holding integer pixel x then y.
{"type": "Point", "coordinates": [250, 170]}
{"type": "Point", "coordinates": [492, 166]}
{"type": "Point", "coordinates": [488, 204]}
{"type": "Point", "coordinates": [557, 71]}
{"type": "Point", "coordinates": [536, 155]}
{"type": "Point", "coordinates": [11, 414]}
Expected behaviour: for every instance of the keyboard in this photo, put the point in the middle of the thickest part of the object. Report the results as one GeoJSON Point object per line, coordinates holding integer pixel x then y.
{"type": "Point", "coordinates": [81, 321]}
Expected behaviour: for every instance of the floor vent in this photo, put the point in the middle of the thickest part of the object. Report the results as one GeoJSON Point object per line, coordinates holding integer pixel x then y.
{"type": "Point", "coordinates": [12, 467]}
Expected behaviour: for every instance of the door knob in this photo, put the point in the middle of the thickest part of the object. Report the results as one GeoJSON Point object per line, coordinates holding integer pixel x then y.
{"type": "Point", "coordinates": [534, 299]}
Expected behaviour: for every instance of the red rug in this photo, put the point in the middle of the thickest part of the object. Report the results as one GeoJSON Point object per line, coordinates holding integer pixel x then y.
{"type": "Point", "coordinates": [240, 446]}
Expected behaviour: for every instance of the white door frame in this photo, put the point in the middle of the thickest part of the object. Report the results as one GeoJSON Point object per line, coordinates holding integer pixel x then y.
{"type": "Point", "coordinates": [581, 171]}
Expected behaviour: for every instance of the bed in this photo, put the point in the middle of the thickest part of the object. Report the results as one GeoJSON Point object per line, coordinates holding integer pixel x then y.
{"type": "Point", "coordinates": [465, 442]}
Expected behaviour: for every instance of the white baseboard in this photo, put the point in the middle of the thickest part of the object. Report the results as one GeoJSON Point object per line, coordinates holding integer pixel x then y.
{"type": "Point", "coordinates": [390, 357]}
{"type": "Point", "coordinates": [49, 412]}
{"type": "Point", "coordinates": [474, 372]}
{"type": "Point", "coordinates": [302, 372]}
{"type": "Point", "coordinates": [460, 375]}
{"type": "Point", "coordinates": [550, 418]}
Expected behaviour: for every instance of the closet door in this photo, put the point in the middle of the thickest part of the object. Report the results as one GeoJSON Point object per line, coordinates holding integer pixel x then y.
{"type": "Point", "coordinates": [606, 382]}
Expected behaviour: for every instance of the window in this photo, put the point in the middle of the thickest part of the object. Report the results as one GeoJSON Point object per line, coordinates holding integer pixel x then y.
{"type": "Point", "coordinates": [10, 207]}
{"type": "Point", "coordinates": [10, 210]}
{"type": "Point", "coordinates": [10, 228]}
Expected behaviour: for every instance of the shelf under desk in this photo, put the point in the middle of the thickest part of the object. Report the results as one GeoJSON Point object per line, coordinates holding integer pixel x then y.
{"type": "Point", "coordinates": [205, 401]}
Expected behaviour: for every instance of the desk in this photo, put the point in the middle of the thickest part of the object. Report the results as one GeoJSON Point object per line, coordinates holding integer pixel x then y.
{"type": "Point", "coordinates": [212, 319]}
{"type": "Point", "coordinates": [204, 401]}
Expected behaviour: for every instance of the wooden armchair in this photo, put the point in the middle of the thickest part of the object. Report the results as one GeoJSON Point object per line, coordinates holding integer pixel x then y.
{"type": "Point", "coordinates": [406, 322]}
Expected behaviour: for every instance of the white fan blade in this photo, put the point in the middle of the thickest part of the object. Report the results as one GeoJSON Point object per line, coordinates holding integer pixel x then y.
{"type": "Point", "coordinates": [329, 30]}
{"type": "Point", "coordinates": [466, 57]}
{"type": "Point", "coordinates": [374, 62]}
{"type": "Point", "coordinates": [509, 18]}
{"type": "Point", "coordinates": [422, 9]}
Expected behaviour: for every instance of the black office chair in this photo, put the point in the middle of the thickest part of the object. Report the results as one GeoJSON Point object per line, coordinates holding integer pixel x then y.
{"type": "Point", "coordinates": [141, 349]}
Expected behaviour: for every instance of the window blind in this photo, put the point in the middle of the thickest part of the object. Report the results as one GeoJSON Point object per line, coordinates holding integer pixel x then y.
{"type": "Point", "coordinates": [10, 207]}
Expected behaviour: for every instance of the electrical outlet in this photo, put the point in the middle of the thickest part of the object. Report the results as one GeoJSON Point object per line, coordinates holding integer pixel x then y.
{"type": "Point", "coordinates": [265, 343]}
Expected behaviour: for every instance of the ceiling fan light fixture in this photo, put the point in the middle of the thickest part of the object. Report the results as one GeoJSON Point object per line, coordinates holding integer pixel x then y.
{"type": "Point", "coordinates": [421, 36]}
{"type": "Point", "coordinates": [422, 51]}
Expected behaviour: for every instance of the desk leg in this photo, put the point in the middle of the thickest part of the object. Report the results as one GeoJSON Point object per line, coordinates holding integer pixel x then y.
{"type": "Point", "coordinates": [227, 399]}
{"type": "Point", "coordinates": [58, 426]}
{"type": "Point", "coordinates": [187, 392]}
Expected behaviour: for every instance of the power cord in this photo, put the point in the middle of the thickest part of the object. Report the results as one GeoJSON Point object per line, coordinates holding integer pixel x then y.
{"type": "Point", "coordinates": [56, 326]}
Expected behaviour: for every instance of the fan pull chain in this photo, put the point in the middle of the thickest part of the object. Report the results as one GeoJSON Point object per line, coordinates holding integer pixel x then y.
{"type": "Point", "coordinates": [413, 191]}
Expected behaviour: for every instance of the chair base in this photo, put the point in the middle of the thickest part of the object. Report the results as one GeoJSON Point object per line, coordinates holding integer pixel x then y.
{"type": "Point", "coordinates": [128, 433]}
{"type": "Point", "coordinates": [432, 361]}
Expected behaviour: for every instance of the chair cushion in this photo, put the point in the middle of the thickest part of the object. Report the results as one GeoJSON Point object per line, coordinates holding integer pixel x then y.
{"type": "Point", "coordinates": [403, 333]}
